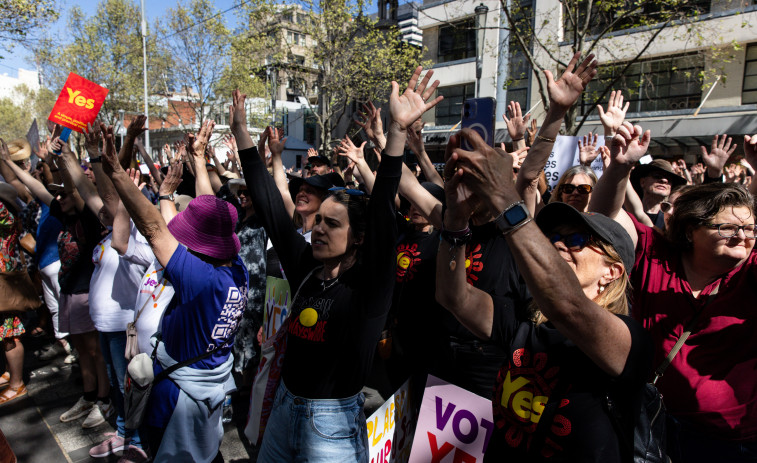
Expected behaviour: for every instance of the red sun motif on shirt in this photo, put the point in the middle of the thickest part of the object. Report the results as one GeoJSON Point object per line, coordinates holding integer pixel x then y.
{"type": "Point", "coordinates": [473, 263]}
{"type": "Point", "coordinates": [408, 257]}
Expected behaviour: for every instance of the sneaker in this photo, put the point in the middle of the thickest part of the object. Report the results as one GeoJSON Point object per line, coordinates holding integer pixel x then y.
{"type": "Point", "coordinates": [51, 352]}
{"type": "Point", "coordinates": [81, 408]}
{"type": "Point", "coordinates": [134, 455]}
{"type": "Point", "coordinates": [114, 444]}
{"type": "Point", "coordinates": [99, 413]}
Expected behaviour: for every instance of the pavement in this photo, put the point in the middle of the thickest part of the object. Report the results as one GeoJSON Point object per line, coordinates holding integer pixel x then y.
{"type": "Point", "coordinates": [33, 428]}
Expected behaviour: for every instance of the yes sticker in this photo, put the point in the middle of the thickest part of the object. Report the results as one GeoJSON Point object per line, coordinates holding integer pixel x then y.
{"type": "Point", "coordinates": [78, 103]}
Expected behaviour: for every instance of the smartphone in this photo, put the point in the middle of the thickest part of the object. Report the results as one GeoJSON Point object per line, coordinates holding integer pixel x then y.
{"type": "Point", "coordinates": [298, 161]}
{"type": "Point", "coordinates": [479, 115]}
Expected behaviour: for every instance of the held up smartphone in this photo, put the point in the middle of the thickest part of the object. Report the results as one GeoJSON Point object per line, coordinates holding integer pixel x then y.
{"type": "Point", "coordinates": [479, 115]}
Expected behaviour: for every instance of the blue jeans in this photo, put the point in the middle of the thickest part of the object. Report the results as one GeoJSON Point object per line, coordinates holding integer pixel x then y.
{"type": "Point", "coordinates": [315, 430]}
{"type": "Point", "coordinates": [113, 346]}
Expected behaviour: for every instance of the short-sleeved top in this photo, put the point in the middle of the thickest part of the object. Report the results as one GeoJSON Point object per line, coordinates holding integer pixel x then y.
{"type": "Point", "coordinates": [10, 257]}
{"type": "Point", "coordinates": [76, 242]}
{"type": "Point", "coordinates": [47, 237]}
{"type": "Point", "coordinates": [203, 314]}
{"type": "Point", "coordinates": [114, 285]}
{"type": "Point", "coordinates": [548, 375]}
{"type": "Point", "coordinates": [712, 382]}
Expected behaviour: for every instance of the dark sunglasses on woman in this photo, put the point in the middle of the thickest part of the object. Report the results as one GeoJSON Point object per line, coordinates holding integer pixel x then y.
{"type": "Point", "coordinates": [584, 189]}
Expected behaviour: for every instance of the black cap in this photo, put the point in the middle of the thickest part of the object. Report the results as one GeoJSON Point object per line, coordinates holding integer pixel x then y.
{"type": "Point", "coordinates": [322, 182]}
{"type": "Point", "coordinates": [556, 214]}
{"type": "Point", "coordinates": [320, 158]}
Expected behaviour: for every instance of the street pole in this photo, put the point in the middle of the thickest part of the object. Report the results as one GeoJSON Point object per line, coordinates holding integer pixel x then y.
{"type": "Point", "coordinates": [144, 75]}
{"type": "Point", "coordinates": [480, 12]}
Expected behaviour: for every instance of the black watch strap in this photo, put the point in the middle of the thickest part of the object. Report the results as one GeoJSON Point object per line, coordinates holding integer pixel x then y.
{"type": "Point", "coordinates": [166, 197]}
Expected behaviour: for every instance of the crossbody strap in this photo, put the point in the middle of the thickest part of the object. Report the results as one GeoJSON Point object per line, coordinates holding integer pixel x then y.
{"type": "Point", "coordinates": [162, 287]}
{"type": "Point", "coordinates": [684, 336]}
{"type": "Point", "coordinates": [164, 374]}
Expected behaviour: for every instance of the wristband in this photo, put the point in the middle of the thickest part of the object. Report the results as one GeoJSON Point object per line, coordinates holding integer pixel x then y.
{"type": "Point", "coordinates": [517, 139]}
{"type": "Point", "coordinates": [456, 238]}
{"type": "Point", "coordinates": [547, 139]}
{"type": "Point", "coordinates": [166, 197]}
{"type": "Point", "coordinates": [95, 160]}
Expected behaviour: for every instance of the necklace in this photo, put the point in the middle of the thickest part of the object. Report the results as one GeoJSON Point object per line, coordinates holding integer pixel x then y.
{"type": "Point", "coordinates": [332, 283]}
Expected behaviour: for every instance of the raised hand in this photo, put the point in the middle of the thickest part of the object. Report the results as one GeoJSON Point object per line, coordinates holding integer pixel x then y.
{"type": "Point", "coordinates": [5, 154]}
{"type": "Point", "coordinates": [565, 91]}
{"type": "Point", "coordinates": [275, 142]}
{"type": "Point", "coordinates": [531, 132]}
{"type": "Point", "coordinates": [136, 128]}
{"type": "Point", "coordinates": [109, 156]}
{"type": "Point", "coordinates": [135, 175]}
{"type": "Point", "coordinates": [348, 149]}
{"type": "Point", "coordinates": [92, 138]}
{"type": "Point", "coordinates": [629, 144]}
{"type": "Point", "coordinates": [43, 149]}
{"type": "Point", "coordinates": [606, 158]}
{"type": "Point", "coordinates": [750, 150]}
{"type": "Point", "coordinates": [237, 112]}
{"type": "Point", "coordinates": [172, 180]}
{"type": "Point", "coordinates": [516, 124]}
{"type": "Point", "coordinates": [615, 114]}
{"type": "Point", "coordinates": [371, 124]}
{"type": "Point", "coordinates": [200, 141]}
{"type": "Point", "coordinates": [721, 149]}
{"type": "Point", "coordinates": [415, 142]}
{"type": "Point", "coordinates": [518, 156]}
{"type": "Point", "coordinates": [587, 151]}
{"type": "Point", "coordinates": [312, 153]}
{"type": "Point", "coordinates": [409, 106]}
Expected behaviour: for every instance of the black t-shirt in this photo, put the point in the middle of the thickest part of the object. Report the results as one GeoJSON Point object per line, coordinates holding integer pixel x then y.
{"type": "Point", "coordinates": [81, 233]}
{"type": "Point", "coordinates": [490, 267]}
{"type": "Point", "coordinates": [541, 360]}
{"type": "Point", "coordinates": [334, 325]}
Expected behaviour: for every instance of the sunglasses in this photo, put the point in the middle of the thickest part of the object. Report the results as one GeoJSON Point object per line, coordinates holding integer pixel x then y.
{"type": "Point", "coordinates": [584, 189]}
{"type": "Point", "coordinates": [573, 241]}
{"type": "Point", "coordinates": [666, 207]}
{"type": "Point", "coordinates": [243, 192]}
{"type": "Point", "coordinates": [349, 191]}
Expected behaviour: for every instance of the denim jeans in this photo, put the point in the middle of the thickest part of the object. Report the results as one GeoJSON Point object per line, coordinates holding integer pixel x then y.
{"type": "Point", "coordinates": [315, 430]}
{"type": "Point", "coordinates": [113, 346]}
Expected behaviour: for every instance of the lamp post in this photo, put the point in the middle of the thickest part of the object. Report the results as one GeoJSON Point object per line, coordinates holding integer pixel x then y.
{"type": "Point", "coordinates": [481, 11]}
{"type": "Point", "coordinates": [121, 129]}
{"type": "Point", "coordinates": [144, 75]}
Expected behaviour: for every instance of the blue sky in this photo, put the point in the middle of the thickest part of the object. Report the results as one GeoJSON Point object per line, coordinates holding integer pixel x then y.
{"type": "Point", "coordinates": [21, 58]}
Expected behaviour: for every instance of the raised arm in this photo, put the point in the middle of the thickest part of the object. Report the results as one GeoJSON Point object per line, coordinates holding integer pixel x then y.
{"type": "Point", "coordinates": [67, 162]}
{"type": "Point", "coordinates": [372, 125]}
{"type": "Point", "coordinates": [276, 146]}
{"type": "Point", "coordinates": [104, 186]}
{"type": "Point", "coordinates": [196, 149]}
{"type": "Point", "coordinates": [721, 149]}
{"type": "Point", "coordinates": [171, 182]}
{"type": "Point", "coordinates": [19, 178]}
{"type": "Point", "coordinates": [146, 218]}
{"type": "Point", "coordinates": [563, 93]}
{"type": "Point", "coordinates": [613, 118]}
{"type": "Point", "coordinates": [408, 107]}
{"type": "Point", "coordinates": [750, 152]}
{"type": "Point", "coordinates": [355, 154]}
{"type": "Point", "coordinates": [415, 141]}
{"type": "Point", "coordinates": [154, 172]}
{"type": "Point", "coordinates": [601, 335]}
{"type": "Point", "coordinates": [86, 189]}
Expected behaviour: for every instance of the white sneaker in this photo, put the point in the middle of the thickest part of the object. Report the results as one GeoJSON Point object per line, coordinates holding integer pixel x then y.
{"type": "Point", "coordinates": [80, 408]}
{"type": "Point", "coordinates": [99, 413]}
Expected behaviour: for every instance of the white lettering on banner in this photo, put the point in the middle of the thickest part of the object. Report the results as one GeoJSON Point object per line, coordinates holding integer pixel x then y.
{"type": "Point", "coordinates": [564, 155]}
{"type": "Point", "coordinates": [228, 321]}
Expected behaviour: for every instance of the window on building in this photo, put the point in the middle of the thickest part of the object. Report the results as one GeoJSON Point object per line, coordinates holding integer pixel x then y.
{"type": "Point", "coordinates": [457, 41]}
{"type": "Point", "coordinates": [449, 110]}
{"type": "Point", "coordinates": [749, 90]}
{"type": "Point", "coordinates": [663, 84]}
{"type": "Point", "coordinates": [518, 67]}
{"type": "Point", "coordinates": [288, 16]}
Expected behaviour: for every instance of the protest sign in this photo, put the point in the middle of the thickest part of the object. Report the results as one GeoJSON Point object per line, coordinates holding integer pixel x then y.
{"type": "Point", "coordinates": [564, 155]}
{"type": "Point", "coordinates": [390, 428]}
{"type": "Point", "coordinates": [454, 425]}
{"type": "Point", "coordinates": [78, 103]}
{"type": "Point", "coordinates": [278, 298]}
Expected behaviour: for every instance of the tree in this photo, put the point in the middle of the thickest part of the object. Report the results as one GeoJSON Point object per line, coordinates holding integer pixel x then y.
{"type": "Point", "coordinates": [331, 48]}
{"type": "Point", "coordinates": [15, 120]}
{"type": "Point", "coordinates": [198, 41]}
{"type": "Point", "coordinates": [106, 48]}
{"type": "Point", "coordinates": [594, 27]}
{"type": "Point", "coordinates": [21, 19]}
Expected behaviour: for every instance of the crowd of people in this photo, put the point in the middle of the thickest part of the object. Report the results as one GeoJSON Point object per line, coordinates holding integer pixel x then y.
{"type": "Point", "coordinates": [553, 304]}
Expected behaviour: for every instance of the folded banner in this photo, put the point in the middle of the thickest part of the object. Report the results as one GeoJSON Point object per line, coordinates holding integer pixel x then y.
{"type": "Point", "coordinates": [78, 103]}
{"type": "Point", "coordinates": [454, 426]}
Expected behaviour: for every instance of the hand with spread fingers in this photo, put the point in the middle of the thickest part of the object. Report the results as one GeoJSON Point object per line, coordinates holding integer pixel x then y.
{"type": "Point", "coordinates": [199, 142]}
{"type": "Point", "coordinates": [587, 151]}
{"type": "Point", "coordinates": [721, 149]}
{"type": "Point", "coordinates": [92, 138]}
{"type": "Point", "coordinates": [409, 106]}
{"type": "Point", "coordinates": [350, 151]}
{"type": "Point", "coordinates": [629, 144]}
{"type": "Point", "coordinates": [615, 114]}
{"type": "Point", "coordinates": [517, 124]}
{"type": "Point", "coordinates": [109, 156]}
{"type": "Point", "coordinates": [372, 124]}
{"type": "Point", "coordinates": [275, 142]}
{"type": "Point", "coordinates": [565, 91]}
{"type": "Point", "coordinates": [172, 180]}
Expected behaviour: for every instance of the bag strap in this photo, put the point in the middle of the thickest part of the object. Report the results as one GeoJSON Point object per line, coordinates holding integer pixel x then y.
{"type": "Point", "coordinates": [150, 296]}
{"type": "Point", "coordinates": [164, 374]}
{"type": "Point", "coordinates": [684, 336]}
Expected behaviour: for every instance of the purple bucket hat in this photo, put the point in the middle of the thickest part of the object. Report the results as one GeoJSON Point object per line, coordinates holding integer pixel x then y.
{"type": "Point", "coordinates": [207, 226]}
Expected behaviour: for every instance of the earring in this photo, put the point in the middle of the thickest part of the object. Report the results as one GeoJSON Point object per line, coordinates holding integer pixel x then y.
{"type": "Point", "coordinates": [601, 289]}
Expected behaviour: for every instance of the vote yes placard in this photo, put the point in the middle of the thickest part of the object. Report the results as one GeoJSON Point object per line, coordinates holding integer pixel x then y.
{"type": "Point", "coordinates": [78, 103]}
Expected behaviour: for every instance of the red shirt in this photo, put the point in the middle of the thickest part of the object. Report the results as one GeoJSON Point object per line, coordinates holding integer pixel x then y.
{"type": "Point", "coordinates": [712, 382]}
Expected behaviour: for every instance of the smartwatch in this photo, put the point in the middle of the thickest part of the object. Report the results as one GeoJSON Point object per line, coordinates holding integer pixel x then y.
{"type": "Point", "coordinates": [513, 217]}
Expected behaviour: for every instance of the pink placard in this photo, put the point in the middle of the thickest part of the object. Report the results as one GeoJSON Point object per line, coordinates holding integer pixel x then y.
{"type": "Point", "coordinates": [454, 425]}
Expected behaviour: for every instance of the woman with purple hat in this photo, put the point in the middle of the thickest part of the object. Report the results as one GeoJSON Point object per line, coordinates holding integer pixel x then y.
{"type": "Point", "coordinates": [345, 280]}
{"type": "Point", "coordinates": [198, 250]}
{"type": "Point", "coordinates": [574, 345]}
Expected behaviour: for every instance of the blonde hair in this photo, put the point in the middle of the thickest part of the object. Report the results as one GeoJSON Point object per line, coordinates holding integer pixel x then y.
{"type": "Point", "coordinates": [615, 296]}
{"type": "Point", "coordinates": [568, 176]}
